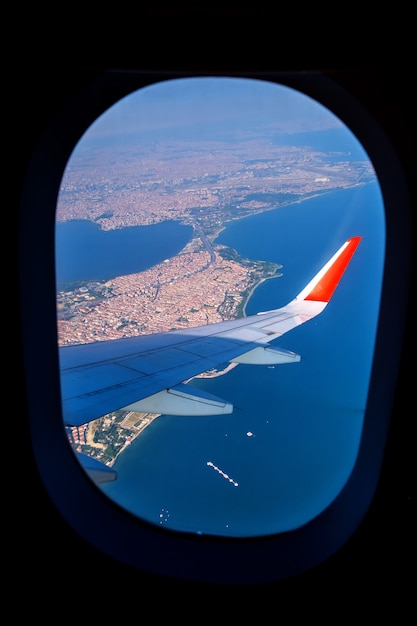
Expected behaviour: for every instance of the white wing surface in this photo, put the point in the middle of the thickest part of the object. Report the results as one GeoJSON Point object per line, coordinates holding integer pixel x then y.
{"type": "Point", "coordinates": [147, 373]}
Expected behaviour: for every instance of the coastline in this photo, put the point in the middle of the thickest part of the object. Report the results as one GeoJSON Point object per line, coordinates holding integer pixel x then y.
{"type": "Point", "coordinates": [256, 285]}
{"type": "Point", "coordinates": [208, 374]}
{"type": "Point", "coordinates": [131, 438]}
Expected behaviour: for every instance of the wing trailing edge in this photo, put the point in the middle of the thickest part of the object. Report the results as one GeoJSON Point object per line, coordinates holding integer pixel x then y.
{"type": "Point", "coordinates": [97, 471]}
{"type": "Point", "coordinates": [268, 355]}
{"type": "Point", "coordinates": [182, 400]}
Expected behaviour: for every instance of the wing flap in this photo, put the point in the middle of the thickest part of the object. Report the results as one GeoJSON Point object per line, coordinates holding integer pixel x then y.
{"type": "Point", "coordinates": [267, 355]}
{"type": "Point", "coordinates": [182, 400]}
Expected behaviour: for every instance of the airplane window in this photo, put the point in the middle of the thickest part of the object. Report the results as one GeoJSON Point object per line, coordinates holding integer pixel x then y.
{"type": "Point", "coordinates": [219, 250]}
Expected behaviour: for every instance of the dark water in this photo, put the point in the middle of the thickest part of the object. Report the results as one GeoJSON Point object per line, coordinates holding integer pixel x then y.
{"type": "Point", "coordinates": [289, 446]}
{"type": "Point", "coordinates": [86, 252]}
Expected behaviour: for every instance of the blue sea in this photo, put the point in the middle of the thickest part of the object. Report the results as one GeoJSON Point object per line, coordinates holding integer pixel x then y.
{"type": "Point", "coordinates": [291, 442]}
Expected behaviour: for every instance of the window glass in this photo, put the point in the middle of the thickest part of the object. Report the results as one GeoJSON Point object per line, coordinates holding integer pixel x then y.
{"type": "Point", "coordinates": [199, 201]}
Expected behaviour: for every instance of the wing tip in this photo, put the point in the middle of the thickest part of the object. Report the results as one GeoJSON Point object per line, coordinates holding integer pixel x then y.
{"type": "Point", "coordinates": [323, 289]}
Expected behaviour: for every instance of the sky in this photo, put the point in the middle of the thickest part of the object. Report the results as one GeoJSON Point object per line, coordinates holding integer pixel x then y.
{"type": "Point", "coordinates": [204, 103]}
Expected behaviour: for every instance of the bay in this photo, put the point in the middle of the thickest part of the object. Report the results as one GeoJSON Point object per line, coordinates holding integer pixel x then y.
{"type": "Point", "coordinates": [86, 252]}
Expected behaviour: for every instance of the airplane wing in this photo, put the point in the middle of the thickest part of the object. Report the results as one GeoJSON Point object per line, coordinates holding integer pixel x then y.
{"type": "Point", "coordinates": [147, 373]}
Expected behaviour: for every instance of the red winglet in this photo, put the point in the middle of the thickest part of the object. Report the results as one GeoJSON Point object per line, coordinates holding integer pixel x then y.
{"type": "Point", "coordinates": [323, 290]}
